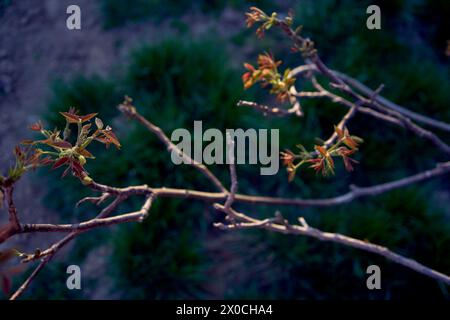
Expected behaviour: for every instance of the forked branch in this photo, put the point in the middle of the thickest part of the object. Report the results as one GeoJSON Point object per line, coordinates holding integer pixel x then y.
{"type": "Point", "coordinates": [341, 89]}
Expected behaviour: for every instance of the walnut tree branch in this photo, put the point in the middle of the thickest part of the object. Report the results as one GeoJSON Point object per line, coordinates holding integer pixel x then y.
{"type": "Point", "coordinates": [129, 110]}
{"type": "Point", "coordinates": [305, 230]}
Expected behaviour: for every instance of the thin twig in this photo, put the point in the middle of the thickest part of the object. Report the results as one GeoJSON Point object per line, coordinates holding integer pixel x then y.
{"type": "Point", "coordinates": [266, 110]}
{"type": "Point", "coordinates": [129, 110]}
{"type": "Point", "coordinates": [391, 105]}
{"type": "Point", "coordinates": [12, 211]}
{"type": "Point", "coordinates": [233, 175]}
{"type": "Point", "coordinates": [362, 88]}
{"type": "Point", "coordinates": [337, 82]}
{"type": "Point", "coordinates": [305, 230]}
{"type": "Point", "coordinates": [353, 194]}
{"type": "Point", "coordinates": [48, 254]}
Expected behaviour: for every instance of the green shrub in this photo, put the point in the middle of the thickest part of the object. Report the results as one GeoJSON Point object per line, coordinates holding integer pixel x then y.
{"type": "Point", "coordinates": [118, 12]}
{"type": "Point", "coordinates": [162, 258]}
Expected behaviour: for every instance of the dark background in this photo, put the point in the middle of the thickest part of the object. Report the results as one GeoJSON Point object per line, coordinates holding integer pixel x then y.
{"type": "Point", "coordinates": [182, 61]}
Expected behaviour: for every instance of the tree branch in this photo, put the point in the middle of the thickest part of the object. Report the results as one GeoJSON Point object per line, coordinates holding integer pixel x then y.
{"type": "Point", "coordinates": [48, 254]}
{"type": "Point", "coordinates": [129, 110]}
{"type": "Point", "coordinates": [305, 230]}
{"type": "Point", "coordinates": [12, 211]}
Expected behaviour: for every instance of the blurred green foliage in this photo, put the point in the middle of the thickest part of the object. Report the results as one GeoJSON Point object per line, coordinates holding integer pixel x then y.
{"type": "Point", "coordinates": [163, 258]}
{"type": "Point", "coordinates": [3, 5]}
{"type": "Point", "coordinates": [117, 13]}
{"type": "Point", "coordinates": [433, 15]}
{"type": "Point", "coordinates": [177, 254]}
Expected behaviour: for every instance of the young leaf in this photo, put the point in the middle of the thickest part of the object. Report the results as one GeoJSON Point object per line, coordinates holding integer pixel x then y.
{"type": "Point", "coordinates": [99, 123]}
{"type": "Point", "coordinates": [61, 162]}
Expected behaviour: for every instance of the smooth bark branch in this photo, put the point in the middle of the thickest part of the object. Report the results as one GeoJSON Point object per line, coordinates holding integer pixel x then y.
{"type": "Point", "coordinates": [337, 82]}
{"type": "Point", "coordinates": [266, 110]}
{"type": "Point", "coordinates": [129, 110]}
{"type": "Point", "coordinates": [391, 105]}
{"type": "Point", "coordinates": [305, 230]}
{"type": "Point", "coordinates": [23, 287]}
{"type": "Point", "coordinates": [152, 193]}
{"type": "Point", "coordinates": [233, 176]}
{"type": "Point", "coordinates": [355, 193]}
{"type": "Point", "coordinates": [362, 88]}
{"type": "Point", "coordinates": [317, 65]}
{"type": "Point", "coordinates": [48, 254]}
{"type": "Point", "coordinates": [12, 211]}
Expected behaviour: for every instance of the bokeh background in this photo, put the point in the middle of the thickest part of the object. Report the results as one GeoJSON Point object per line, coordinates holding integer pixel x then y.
{"type": "Point", "coordinates": [181, 61]}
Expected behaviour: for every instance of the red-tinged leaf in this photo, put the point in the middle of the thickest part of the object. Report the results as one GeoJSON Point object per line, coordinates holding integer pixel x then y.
{"type": "Point", "coordinates": [330, 164]}
{"type": "Point", "coordinates": [343, 151]}
{"type": "Point", "coordinates": [6, 284]}
{"type": "Point", "coordinates": [287, 157]}
{"type": "Point", "coordinates": [339, 132]}
{"type": "Point", "coordinates": [18, 152]}
{"type": "Point", "coordinates": [248, 80]}
{"type": "Point", "coordinates": [88, 117]}
{"type": "Point", "coordinates": [257, 10]}
{"type": "Point", "coordinates": [112, 138]}
{"type": "Point", "coordinates": [60, 162]}
{"type": "Point", "coordinates": [291, 174]}
{"type": "Point", "coordinates": [62, 144]}
{"type": "Point", "coordinates": [103, 140]}
{"type": "Point", "coordinates": [85, 153]}
{"type": "Point", "coordinates": [58, 144]}
{"type": "Point", "coordinates": [46, 161]}
{"type": "Point", "coordinates": [36, 126]}
{"type": "Point", "coordinates": [77, 168]}
{"type": "Point", "coordinates": [70, 117]}
{"type": "Point", "coordinates": [349, 142]}
{"type": "Point", "coordinates": [86, 127]}
{"type": "Point", "coordinates": [321, 150]}
{"type": "Point", "coordinates": [246, 77]}
{"type": "Point", "coordinates": [348, 163]}
{"type": "Point", "coordinates": [34, 159]}
{"type": "Point", "coordinates": [260, 33]}
{"type": "Point", "coordinates": [249, 67]}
